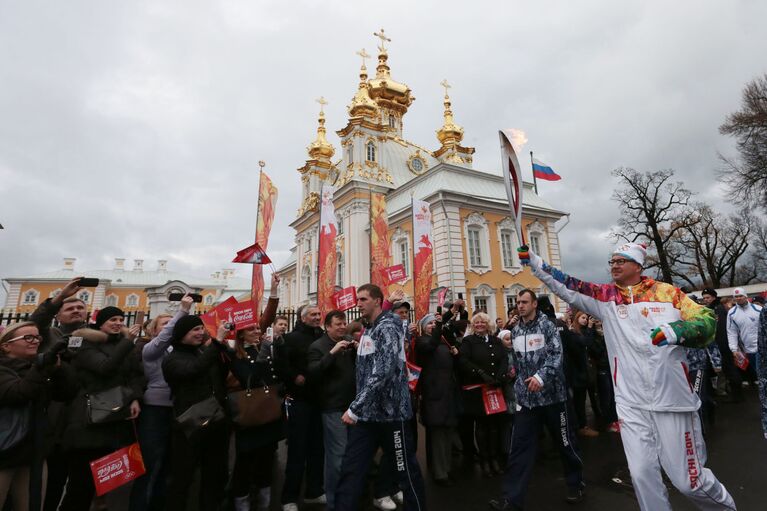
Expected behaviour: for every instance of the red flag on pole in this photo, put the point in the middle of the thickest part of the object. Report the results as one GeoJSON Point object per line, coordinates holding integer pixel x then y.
{"type": "Point", "coordinates": [326, 275]}
{"type": "Point", "coordinates": [253, 254]}
{"type": "Point", "coordinates": [267, 203]}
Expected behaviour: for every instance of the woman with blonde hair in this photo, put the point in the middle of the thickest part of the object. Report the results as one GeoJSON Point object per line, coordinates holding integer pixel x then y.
{"type": "Point", "coordinates": [483, 360]}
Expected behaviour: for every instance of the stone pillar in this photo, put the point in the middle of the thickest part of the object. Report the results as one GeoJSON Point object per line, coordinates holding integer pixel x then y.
{"type": "Point", "coordinates": [448, 249]}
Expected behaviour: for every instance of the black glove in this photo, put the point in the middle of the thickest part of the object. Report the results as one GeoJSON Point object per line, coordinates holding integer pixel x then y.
{"type": "Point", "coordinates": [486, 378]}
{"type": "Point", "coordinates": [51, 357]}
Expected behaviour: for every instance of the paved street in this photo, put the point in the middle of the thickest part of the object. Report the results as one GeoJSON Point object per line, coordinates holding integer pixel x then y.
{"type": "Point", "coordinates": [737, 455]}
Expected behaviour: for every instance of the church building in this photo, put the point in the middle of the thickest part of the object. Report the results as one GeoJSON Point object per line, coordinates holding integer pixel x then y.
{"type": "Point", "coordinates": [473, 235]}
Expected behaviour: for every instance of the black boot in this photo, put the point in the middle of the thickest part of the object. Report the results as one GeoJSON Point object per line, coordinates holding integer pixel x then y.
{"type": "Point", "coordinates": [503, 505]}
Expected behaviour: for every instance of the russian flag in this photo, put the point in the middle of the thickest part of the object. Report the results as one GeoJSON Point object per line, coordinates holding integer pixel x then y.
{"type": "Point", "coordinates": [543, 171]}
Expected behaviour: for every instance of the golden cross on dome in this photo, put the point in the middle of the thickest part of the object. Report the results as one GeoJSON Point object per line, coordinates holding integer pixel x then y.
{"type": "Point", "coordinates": [445, 85]}
{"type": "Point", "coordinates": [322, 101]}
{"type": "Point", "coordinates": [382, 36]}
{"type": "Point", "coordinates": [362, 53]}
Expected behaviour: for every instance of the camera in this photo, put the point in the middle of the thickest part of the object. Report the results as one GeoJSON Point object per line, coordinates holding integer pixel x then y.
{"type": "Point", "coordinates": [229, 326]}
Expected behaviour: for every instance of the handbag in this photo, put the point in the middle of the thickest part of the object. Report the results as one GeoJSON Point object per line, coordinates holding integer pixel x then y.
{"type": "Point", "coordinates": [255, 407]}
{"type": "Point", "coordinates": [200, 416]}
{"type": "Point", "coordinates": [109, 405]}
{"type": "Point", "coordinates": [14, 425]}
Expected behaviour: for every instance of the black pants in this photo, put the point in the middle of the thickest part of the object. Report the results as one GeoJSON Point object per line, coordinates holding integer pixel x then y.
{"type": "Point", "coordinates": [524, 444]}
{"type": "Point", "coordinates": [57, 479]}
{"type": "Point", "coordinates": [466, 434]}
{"type": "Point", "coordinates": [306, 452]}
{"type": "Point", "coordinates": [579, 404]}
{"type": "Point", "coordinates": [606, 393]}
{"type": "Point", "coordinates": [80, 489]}
{"type": "Point", "coordinates": [154, 433]}
{"type": "Point", "coordinates": [253, 468]}
{"type": "Point", "coordinates": [489, 432]}
{"type": "Point", "coordinates": [207, 451]}
{"type": "Point", "coordinates": [396, 439]}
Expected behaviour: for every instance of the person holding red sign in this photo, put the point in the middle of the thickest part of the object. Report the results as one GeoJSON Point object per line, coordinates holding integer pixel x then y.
{"type": "Point", "coordinates": [542, 401]}
{"type": "Point", "coordinates": [106, 364]}
{"type": "Point", "coordinates": [483, 366]}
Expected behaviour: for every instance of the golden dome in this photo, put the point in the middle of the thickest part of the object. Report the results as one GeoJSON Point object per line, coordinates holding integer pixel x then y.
{"type": "Point", "coordinates": [383, 89]}
{"type": "Point", "coordinates": [362, 105]}
{"type": "Point", "coordinates": [450, 133]}
{"type": "Point", "coordinates": [321, 149]}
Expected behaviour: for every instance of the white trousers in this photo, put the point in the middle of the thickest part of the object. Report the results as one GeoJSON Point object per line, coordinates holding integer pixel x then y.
{"type": "Point", "coordinates": [671, 440]}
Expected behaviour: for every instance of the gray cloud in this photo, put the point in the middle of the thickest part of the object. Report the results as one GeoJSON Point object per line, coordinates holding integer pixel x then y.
{"type": "Point", "coordinates": [133, 129]}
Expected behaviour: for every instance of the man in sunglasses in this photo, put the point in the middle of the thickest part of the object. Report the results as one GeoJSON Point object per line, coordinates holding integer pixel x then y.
{"type": "Point", "coordinates": [647, 325]}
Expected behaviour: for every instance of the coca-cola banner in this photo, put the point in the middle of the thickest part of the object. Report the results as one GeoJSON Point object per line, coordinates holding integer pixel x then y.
{"type": "Point", "coordinates": [326, 277]}
{"type": "Point", "coordinates": [422, 257]}
{"type": "Point", "coordinates": [345, 299]}
{"type": "Point", "coordinates": [244, 315]}
{"type": "Point", "coordinates": [395, 274]}
{"type": "Point", "coordinates": [117, 468]}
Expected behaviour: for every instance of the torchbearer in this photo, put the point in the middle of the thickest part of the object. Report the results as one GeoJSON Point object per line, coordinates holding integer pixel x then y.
{"type": "Point", "coordinates": [647, 324]}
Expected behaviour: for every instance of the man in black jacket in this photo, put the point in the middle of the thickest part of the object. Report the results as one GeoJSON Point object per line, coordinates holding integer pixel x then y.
{"type": "Point", "coordinates": [306, 452]}
{"type": "Point", "coordinates": [332, 369]}
{"type": "Point", "coordinates": [729, 371]}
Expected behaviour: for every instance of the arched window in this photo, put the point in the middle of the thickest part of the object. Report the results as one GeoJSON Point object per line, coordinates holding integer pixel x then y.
{"type": "Point", "coordinates": [392, 121]}
{"type": "Point", "coordinates": [400, 243]}
{"type": "Point", "coordinates": [371, 151]}
{"type": "Point", "coordinates": [477, 243]}
{"type": "Point", "coordinates": [111, 301]}
{"type": "Point", "coordinates": [85, 296]}
{"type": "Point", "coordinates": [350, 153]}
{"type": "Point", "coordinates": [340, 269]}
{"type": "Point", "coordinates": [535, 243]}
{"type": "Point", "coordinates": [131, 300]}
{"type": "Point", "coordinates": [306, 277]}
{"type": "Point", "coordinates": [31, 297]}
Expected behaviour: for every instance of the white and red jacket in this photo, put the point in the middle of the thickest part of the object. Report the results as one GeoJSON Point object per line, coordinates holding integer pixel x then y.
{"type": "Point", "coordinates": [645, 376]}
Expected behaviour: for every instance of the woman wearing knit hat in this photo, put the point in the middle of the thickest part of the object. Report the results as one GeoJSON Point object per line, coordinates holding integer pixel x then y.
{"type": "Point", "coordinates": [195, 370]}
{"type": "Point", "coordinates": [106, 365]}
{"type": "Point", "coordinates": [439, 393]}
{"type": "Point", "coordinates": [28, 382]}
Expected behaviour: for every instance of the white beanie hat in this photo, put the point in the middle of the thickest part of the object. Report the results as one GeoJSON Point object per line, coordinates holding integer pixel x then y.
{"type": "Point", "coordinates": [503, 333]}
{"type": "Point", "coordinates": [634, 251]}
{"type": "Point", "coordinates": [738, 291]}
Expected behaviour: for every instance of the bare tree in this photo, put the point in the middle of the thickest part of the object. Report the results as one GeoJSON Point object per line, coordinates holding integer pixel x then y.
{"type": "Point", "coordinates": [710, 249]}
{"type": "Point", "coordinates": [747, 176]}
{"type": "Point", "coordinates": [653, 209]}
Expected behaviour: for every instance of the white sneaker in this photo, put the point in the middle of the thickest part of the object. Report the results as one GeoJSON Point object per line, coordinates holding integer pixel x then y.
{"type": "Point", "coordinates": [385, 503]}
{"type": "Point", "coordinates": [399, 498]}
{"type": "Point", "coordinates": [317, 500]}
{"type": "Point", "coordinates": [290, 507]}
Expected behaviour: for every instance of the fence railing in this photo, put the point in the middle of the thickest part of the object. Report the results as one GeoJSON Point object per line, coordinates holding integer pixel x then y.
{"type": "Point", "coordinates": [130, 317]}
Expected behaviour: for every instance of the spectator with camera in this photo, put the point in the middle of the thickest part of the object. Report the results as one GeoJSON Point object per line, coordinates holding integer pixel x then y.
{"type": "Point", "coordinates": [156, 420]}
{"type": "Point", "coordinates": [29, 380]}
{"type": "Point", "coordinates": [111, 385]}
{"type": "Point", "coordinates": [196, 371]}
{"type": "Point", "coordinates": [332, 368]}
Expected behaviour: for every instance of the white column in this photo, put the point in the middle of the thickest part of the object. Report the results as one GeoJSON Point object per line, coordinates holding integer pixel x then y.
{"type": "Point", "coordinates": [12, 299]}
{"type": "Point", "coordinates": [448, 249]}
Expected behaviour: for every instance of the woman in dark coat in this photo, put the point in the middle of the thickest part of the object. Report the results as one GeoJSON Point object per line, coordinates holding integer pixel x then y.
{"type": "Point", "coordinates": [104, 361]}
{"type": "Point", "coordinates": [28, 382]}
{"type": "Point", "coordinates": [484, 362]}
{"type": "Point", "coordinates": [195, 370]}
{"type": "Point", "coordinates": [439, 394]}
{"type": "Point", "coordinates": [253, 366]}
{"type": "Point", "coordinates": [582, 371]}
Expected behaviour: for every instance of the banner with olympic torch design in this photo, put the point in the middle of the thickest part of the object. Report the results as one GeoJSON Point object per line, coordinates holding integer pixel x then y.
{"type": "Point", "coordinates": [326, 276]}
{"type": "Point", "coordinates": [422, 257]}
{"type": "Point", "coordinates": [380, 251]}
{"type": "Point", "coordinates": [267, 203]}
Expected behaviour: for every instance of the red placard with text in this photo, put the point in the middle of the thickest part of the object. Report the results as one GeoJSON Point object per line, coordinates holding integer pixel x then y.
{"type": "Point", "coordinates": [244, 315]}
{"type": "Point", "coordinates": [396, 273]}
{"type": "Point", "coordinates": [117, 468]}
{"type": "Point", "coordinates": [345, 299]}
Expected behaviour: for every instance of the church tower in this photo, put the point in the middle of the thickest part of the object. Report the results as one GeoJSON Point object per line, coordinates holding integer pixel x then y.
{"type": "Point", "coordinates": [450, 136]}
{"type": "Point", "coordinates": [318, 169]}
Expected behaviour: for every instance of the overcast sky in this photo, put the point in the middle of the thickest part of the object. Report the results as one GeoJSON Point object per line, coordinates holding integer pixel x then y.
{"type": "Point", "coordinates": [133, 129]}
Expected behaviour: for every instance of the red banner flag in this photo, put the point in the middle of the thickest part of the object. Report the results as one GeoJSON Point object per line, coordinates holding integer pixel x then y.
{"type": "Point", "coordinates": [326, 277]}
{"type": "Point", "coordinates": [441, 296]}
{"type": "Point", "coordinates": [422, 257]}
{"type": "Point", "coordinates": [118, 468]}
{"type": "Point", "coordinates": [380, 249]}
{"type": "Point", "coordinates": [394, 274]}
{"type": "Point", "coordinates": [219, 314]}
{"type": "Point", "coordinates": [267, 202]}
{"type": "Point", "coordinates": [253, 254]}
{"type": "Point", "coordinates": [345, 299]}
{"type": "Point", "coordinates": [244, 315]}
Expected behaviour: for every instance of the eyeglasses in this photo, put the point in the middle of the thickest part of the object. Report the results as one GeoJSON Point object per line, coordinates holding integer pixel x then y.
{"type": "Point", "coordinates": [28, 338]}
{"type": "Point", "coordinates": [617, 262]}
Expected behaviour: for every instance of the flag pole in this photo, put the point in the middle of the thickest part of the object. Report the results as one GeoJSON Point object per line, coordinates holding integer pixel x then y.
{"type": "Point", "coordinates": [370, 234]}
{"type": "Point", "coordinates": [261, 165]}
{"type": "Point", "coordinates": [535, 181]}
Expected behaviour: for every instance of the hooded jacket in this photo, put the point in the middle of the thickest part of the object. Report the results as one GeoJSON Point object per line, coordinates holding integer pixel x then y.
{"type": "Point", "coordinates": [644, 376]}
{"type": "Point", "coordinates": [383, 394]}
{"type": "Point", "coordinates": [538, 351]}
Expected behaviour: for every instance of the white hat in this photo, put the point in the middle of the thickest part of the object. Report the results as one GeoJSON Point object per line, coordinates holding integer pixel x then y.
{"type": "Point", "coordinates": [738, 291]}
{"type": "Point", "coordinates": [634, 251]}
